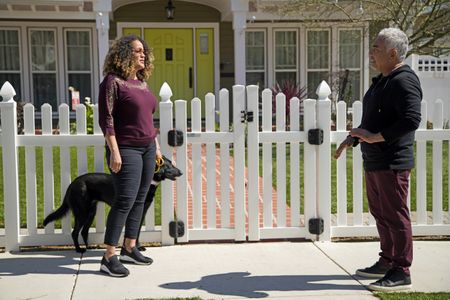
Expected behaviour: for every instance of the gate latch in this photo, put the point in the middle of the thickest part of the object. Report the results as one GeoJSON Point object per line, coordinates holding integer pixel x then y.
{"type": "Point", "coordinates": [315, 136]}
{"type": "Point", "coordinates": [315, 226]}
{"type": "Point", "coordinates": [246, 116]}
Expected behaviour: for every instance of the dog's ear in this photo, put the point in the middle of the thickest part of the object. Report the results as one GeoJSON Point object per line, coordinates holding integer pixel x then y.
{"type": "Point", "coordinates": [159, 172]}
{"type": "Point", "coordinates": [166, 159]}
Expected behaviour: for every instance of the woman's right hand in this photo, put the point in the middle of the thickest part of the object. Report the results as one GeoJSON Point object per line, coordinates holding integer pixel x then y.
{"type": "Point", "coordinates": [115, 161]}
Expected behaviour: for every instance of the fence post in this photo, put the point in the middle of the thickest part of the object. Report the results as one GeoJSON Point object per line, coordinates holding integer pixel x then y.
{"type": "Point", "coordinates": [323, 179]}
{"type": "Point", "coordinates": [309, 159]}
{"type": "Point", "coordinates": [8, 109]}
{"type": "Point", "coordinates": [182, 162]}
{"type": "Point", "coordinates": [239, 162]}
{"type": "Point", "coordinates": [415, 62]}
{"type": "Point", "coordinates": [166, 124]}
{"type": "Point", "coordinates": [253, 164]}
{"type": "Point", "coordinates": [438, 123]}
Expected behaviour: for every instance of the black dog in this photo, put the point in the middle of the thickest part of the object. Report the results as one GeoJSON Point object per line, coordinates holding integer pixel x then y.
{"type": "Point", "coordinates": [84, 192]}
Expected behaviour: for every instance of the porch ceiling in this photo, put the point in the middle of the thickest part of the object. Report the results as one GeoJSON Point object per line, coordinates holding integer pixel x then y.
{"type": "Point", "coordinates": [224, 6]}
{"type": "Point", "coordinates": [46, 6]}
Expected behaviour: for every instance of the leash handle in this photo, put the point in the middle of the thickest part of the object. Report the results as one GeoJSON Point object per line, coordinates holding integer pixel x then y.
{"type": "Point", "coordinates": [159, 163]}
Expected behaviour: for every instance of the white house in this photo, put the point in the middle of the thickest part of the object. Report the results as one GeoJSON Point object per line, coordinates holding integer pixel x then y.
{"type": "Point", "coordinates": [48, 45]}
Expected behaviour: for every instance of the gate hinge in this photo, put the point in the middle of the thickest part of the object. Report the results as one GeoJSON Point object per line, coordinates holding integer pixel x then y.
{"type": "Point", "coordinates": [175, 138]}
{"type": "Point", "coordinates": [315, 136]}
{"type": "Point", "coordinates": [176, 229]}
{"type": "Point", "coordinates": [246, 116]}
{"type": "Point", "coordinates": [315, 226]}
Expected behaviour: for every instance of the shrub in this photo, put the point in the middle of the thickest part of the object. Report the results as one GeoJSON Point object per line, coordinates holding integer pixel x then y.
{"type": "Point", "coordinates": [290, 89]}
{"type": "Point", "coordinates": [20, 121]}
{"type": "Point", "coordinates": [89, 118]}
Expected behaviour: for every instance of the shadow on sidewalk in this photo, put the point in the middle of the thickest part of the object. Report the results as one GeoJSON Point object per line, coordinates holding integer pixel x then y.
{"type": "Point", "coordinates": [62, 263]}
{"type": "Point", "coordinates": [244, 285]}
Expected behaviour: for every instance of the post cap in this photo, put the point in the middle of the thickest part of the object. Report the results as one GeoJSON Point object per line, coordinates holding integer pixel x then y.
{"type": "Point", "coordinates": [165, 92]}
{"type": "Point", "coordinates": [7, 92]}
{"type": "Point", "coordinates": [323, 90]}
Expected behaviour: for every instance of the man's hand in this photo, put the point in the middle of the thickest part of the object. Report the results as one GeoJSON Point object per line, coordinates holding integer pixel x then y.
{"type": "Point", "coordinates": [366, 136]}
{"type": "Point", "coordinates": [348, 142]}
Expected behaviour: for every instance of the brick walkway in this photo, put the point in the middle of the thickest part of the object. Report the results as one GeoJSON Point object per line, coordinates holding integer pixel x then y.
{"type": "Point", "coordinates": [218, 196]}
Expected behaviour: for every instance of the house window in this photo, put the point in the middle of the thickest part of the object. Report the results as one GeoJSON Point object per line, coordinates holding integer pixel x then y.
{"type": "Point", "coordinates": [350, 61]}
{"type": "Point", "coordinates": [43, 58]}
{"type": "Point", "coordinates": [318, 59]}
{"type": "Point", "coordinates": [10, 66]}
{"type": "Point", "coordinates": [255, 57]}
{"type": "Point", "coordinates": [79, 61]}
{"type": "Point", "coordinates": [286, 56]}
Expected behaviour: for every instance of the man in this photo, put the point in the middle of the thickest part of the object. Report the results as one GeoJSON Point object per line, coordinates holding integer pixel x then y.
{"type": "Point", "coordinates": [391, 114]}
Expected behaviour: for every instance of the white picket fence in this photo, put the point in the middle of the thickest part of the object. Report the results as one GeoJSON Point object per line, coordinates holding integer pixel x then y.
{"type": "Point", "coordinates": [249, 208]}
{"type": "Point", "coordinates": [434, 75]}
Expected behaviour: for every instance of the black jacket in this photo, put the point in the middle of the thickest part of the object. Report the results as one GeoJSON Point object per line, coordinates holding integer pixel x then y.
{"type": "Point", "coordinates": [391, 106]}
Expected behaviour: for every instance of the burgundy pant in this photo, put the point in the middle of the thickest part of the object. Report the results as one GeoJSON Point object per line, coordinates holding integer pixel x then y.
{"type": "Point", "coordinates": [387, 192]}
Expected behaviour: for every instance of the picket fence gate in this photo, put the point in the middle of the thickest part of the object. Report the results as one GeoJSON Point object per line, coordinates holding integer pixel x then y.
{"type": "Point", "coordinates": [247, 207]}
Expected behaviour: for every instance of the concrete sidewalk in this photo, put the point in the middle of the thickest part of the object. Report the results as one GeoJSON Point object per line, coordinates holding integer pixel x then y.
{"type": "Point", "coordinates": [269, 270]}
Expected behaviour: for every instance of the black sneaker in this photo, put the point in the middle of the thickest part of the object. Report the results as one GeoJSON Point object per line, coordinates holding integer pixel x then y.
{"type": "Point", "coordinates": [135, 257]}
{"type": "Point", "coordinates": [113, 267]}
{"type": "Point", "coordinates": [376, 271]}
{"type": "Point", "coordinates": [140, 247]}
{"type": "Point", "coordinates": [395, 280]}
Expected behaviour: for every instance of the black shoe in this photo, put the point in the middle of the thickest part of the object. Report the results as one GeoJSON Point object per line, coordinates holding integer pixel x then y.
{"type": "Point", "coordinates": [140, 248]}
{"type": "Point", "coordinates": [135, 257]}
{"type": "Point", "coordinates": [395, 280]}
{"type": "Point", "coordinates": [376, 271]}
{"type": "Point", "coordinates": [113, 267]}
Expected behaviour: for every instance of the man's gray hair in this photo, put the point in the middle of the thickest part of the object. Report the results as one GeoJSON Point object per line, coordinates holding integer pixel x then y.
{"type": "Point", "coordinates": [394, 38]}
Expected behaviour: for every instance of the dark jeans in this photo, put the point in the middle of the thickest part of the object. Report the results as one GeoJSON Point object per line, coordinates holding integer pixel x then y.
{"type": "Point", "coordinates": [131, 183]}
{"type": "Point", "coordinates": [387, 192]}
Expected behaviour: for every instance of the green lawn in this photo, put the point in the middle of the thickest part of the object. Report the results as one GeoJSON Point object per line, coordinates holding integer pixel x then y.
{"type": "Point", "coordinates": [90, 154]}
{"type": "Point", "coordinates": [57, 185]}
{"type": "Point", "coordinates": [445, 181]}
{"type": "Point", "coordinates": [413, 296]}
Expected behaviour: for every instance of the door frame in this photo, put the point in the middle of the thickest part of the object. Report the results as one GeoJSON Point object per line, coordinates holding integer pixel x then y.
{"type": "Point", "coordinates": [193, 26]}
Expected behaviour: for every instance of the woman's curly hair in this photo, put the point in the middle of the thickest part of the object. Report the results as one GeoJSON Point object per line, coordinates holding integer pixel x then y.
{"type": "Point", "coordinates": [120, 59]}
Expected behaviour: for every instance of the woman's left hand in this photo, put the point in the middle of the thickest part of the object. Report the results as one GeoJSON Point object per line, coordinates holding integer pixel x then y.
{"type": "Point", "coordinates": [158, 153]}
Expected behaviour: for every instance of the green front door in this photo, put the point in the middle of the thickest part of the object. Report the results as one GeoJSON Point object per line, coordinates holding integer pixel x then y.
{"type": "Point", "coordinates": [174, 60]}
{"type": "Point", "coordinates": [204, 40]}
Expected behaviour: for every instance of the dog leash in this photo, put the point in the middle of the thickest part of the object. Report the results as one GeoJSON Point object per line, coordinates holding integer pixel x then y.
{"type": "Point", "coordinates": [159, 164]}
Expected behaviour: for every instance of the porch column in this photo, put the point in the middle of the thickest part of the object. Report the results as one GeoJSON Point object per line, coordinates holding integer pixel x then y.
{"type": "Point", "coordinates": [239, 9]}
{"type": "Point", "coordinates": [102, 9]}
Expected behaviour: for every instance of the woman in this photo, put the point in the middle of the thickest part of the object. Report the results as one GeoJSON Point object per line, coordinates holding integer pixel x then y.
{"type": "Point", "coordinates": [126, 108]}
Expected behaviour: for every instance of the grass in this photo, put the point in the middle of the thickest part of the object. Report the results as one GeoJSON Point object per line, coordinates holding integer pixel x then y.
{"type": "Point", "coordinates": [413, 296]}
{"type": "Point", "coordinates": [56, 183]}
{"type": "Point", "coordinates": [90, 155]}
{"type": "Point", "coordinates": [445, 180]}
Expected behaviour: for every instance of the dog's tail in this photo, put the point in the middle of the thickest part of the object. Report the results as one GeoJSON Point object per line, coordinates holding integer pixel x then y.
{"type": "Point", "coordinates": [61, 211]}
